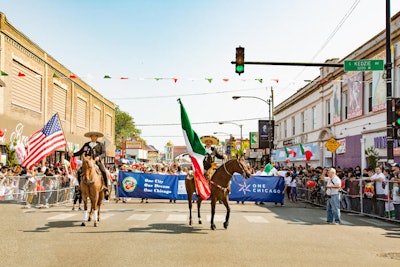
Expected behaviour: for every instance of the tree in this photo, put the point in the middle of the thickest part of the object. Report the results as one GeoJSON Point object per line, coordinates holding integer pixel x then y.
{"type": "Point", "coordinates": [372, 157]}
{"type": "Point", "coordinates": [11, 155]}
{"type": "Point", "coordinates": [124, 127]}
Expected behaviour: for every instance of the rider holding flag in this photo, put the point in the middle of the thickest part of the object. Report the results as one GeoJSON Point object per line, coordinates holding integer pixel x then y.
{"type": "Point", "coordinates": [212, 153]}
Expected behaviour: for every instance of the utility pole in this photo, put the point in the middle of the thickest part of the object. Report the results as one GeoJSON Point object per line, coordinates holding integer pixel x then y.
{"type": "Point", "coordinates": [389, 96]}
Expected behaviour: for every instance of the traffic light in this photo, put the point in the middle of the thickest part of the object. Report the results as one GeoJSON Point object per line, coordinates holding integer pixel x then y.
{"type": "Point", "coordinates": [396, 112]}
{"type": "Point", "coordinates": [239, 60]}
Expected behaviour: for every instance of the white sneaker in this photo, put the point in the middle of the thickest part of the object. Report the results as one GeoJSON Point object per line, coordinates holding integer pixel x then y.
{"type": "Point", "coordinates": [46, 206]}
{"type": "Point", "coordinates": [27, 206]}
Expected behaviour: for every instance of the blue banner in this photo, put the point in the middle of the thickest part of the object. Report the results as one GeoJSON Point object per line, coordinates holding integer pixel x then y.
{"type": "Point", "coordinates": [157, 186]}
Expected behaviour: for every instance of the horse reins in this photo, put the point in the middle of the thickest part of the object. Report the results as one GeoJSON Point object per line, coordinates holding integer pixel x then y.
{"type": "Point", "coordinates": [225, 189]}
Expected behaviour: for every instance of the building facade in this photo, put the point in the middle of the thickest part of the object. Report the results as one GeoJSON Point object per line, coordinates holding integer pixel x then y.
{"type": "Point", "coordinates": [34, 86]}
{"type": "Point", "coordinates": [347, 107]}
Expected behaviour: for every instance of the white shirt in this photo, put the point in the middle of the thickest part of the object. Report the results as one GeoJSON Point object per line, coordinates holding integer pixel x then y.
{"type": "Point", "coordinates": [288, 180]}
{"type": "Point", "coordinates": [260, 173]}
{"type": "Point", "coordinates": [92, 144]}
{"type": "Point", "coordinates": [334, 181]}
{"type": "Point", "coordinates": [378, 184]}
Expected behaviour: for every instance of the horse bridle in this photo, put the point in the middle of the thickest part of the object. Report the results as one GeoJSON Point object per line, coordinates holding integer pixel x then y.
{"type": "Point", "coordinates": [225, 189]}
{"type": "Point", "coordinates": [240, 165]}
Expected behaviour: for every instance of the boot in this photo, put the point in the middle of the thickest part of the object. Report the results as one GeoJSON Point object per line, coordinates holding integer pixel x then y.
{"type": "Point", "coordinates": [106, 192]}
{"type": "Point", "coordinates": [392, 214]}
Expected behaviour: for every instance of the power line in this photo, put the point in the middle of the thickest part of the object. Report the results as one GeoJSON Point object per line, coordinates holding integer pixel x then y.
{"type": "Point", "coordinates": [346, 16]}
{"type": "Point", "coordinates": [206, 122]}
{"type": "Point", "coordinates": [180, 95]}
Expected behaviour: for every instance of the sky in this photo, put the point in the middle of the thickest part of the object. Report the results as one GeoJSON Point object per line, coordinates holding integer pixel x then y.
{"type": "Point", "coordinates": [183, 49]}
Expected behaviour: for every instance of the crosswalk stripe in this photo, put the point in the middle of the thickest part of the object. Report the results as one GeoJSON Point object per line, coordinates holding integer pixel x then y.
{"type": "Point", "coordinates": [138, 217]}
{"type": "Point", "coordinates": [297, 221]}
{"type": "Point", "coordinates": [105, 216]}
{"type": "Point", "coordinates": [256, 219]}
{"type": "Point", "coordinates": [61, 216]}
{"type": "Point", "coordinates": [177, 217]}
{"type": "Point", "coordinates": [377, 223]}
{"type": "Point", "coordinates": [217, 218]}
{"type": "Point", "coordinates": [342, 221]}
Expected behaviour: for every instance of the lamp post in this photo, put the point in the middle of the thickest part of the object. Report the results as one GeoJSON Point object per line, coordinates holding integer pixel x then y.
{"type": "Point", "coordinates": [269, 101]}
{"type": "Point", "coordinates": [241, 130]}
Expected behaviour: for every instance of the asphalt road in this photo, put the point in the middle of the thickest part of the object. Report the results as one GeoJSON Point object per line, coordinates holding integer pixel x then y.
{"type": "Point", "coordinates": [158, 234]}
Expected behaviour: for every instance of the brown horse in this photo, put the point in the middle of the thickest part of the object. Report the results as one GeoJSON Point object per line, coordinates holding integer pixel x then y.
{"type": "Point", "coordinates": [190, 189]}
{"type": "Point", "coordinates": [91, 186]}
{"type": "Point", "coordinates": [220, 185]}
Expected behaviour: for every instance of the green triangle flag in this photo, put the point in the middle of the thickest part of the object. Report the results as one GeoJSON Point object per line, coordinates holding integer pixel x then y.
{"type": "Point", "coordinates": [107, 77]}
{"type": "Point", "coordinates": [55, 75]}
{"type": "Point", "coordinates": [209, 80]}
{"type": "Point", "coordinates": [287, 152]}
{"type": "Point", "coordinates": [260, 80]}
{"type": "Point", "coordinates": [302, 149]}
{"type": "Point", "coordinates": [3, 73]}
{"type": "Point", "coordinates": [268, 168]}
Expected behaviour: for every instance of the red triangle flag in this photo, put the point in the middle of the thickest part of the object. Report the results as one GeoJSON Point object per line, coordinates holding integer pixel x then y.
{"type": "Point", "coordinates": [225, 79]}
{"type": "Point", "coordinates": [72, 76]}
{"type": "Point", "coordinates": [175, 79]}
{"type": "Point", "coordinates": [20, 74]}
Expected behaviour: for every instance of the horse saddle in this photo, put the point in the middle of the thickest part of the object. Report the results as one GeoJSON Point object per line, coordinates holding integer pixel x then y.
{"type": "Point", "coordinates": [210, 172]}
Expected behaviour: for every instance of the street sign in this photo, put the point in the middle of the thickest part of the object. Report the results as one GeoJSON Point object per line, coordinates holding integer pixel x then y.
{"type": "Point", "coordinates": [363, 65]}
{"type": "Point", "coordinates": [332, 145]}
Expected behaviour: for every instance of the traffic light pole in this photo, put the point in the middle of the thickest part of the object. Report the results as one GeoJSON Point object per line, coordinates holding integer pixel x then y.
{"type": "Point", "coordinates": [307, 64]}
{"type": "Point", "coordinates": [389, 97]}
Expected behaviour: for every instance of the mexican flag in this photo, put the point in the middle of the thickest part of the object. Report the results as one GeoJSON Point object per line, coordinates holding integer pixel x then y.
{"type": "Point", "coordinates": [307, 152]}
{"type": "Point", "coordinates": [289, 151]}
{"type": "Point", "coordinates": [196, 152]}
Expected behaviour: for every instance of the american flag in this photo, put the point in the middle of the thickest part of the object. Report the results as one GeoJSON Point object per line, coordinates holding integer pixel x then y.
{"type": "Point", "coordinates": [44, 142]}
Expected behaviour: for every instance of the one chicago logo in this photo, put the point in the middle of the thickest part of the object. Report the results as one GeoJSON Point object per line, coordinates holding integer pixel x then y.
{"type": "Point", "coordinates": [129, 184]}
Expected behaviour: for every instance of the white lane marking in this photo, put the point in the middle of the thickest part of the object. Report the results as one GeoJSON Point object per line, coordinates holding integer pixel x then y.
{"type": "Point", "coordinates": [342, 221]}
{"type": "Point", "coordinates": [61, 216]}
{"type": "Point", "coordinates": [217, 218]}
{"type": "Point", "coordinates": [297, 221]}
{"type": "Point", "coordinates": [256, 219]}
{"type": "Point", "coordinates": [105, 216]}
{"type": "Point", "coordinates": [376, 223]}
{"type": "Point", "coordinates": [177, 217]}
{"type": "Point", "coordinates": [138, 217]}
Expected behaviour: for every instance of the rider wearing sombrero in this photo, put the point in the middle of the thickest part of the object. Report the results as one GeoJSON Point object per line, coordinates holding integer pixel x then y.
{"type": "Point", "coordinates": [97, 150]}
{"type": "Point", "coordinates": [212, 153]}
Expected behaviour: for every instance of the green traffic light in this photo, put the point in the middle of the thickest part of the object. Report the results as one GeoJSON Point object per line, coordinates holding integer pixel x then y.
{"type": "Point", "coordinates": [239, 69]}
{"type": "Point", "coordinates": [398, 122]}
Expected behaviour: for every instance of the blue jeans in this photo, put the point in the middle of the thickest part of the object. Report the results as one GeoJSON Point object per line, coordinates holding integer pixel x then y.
{"type": "Point", "coordinates": [333, 209]}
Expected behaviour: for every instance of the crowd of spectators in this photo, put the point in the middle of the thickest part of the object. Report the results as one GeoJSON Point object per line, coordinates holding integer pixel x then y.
{"type": "Point", "coordinates": [373, 191]}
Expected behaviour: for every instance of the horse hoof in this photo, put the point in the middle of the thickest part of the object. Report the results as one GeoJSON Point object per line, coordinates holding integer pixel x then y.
{"type": "Point", "coordinates": [213, 227]}
{"type": "Point", "coordinates": [200, 222]}
{"type": "Point", "coordinates": [95, 224]}
{"type": "Point", "coordinates": [83, 224]}
{"type": "Point", "coordinates": [226, 225]}
{"type": "Point", "coordinates": [190, 222]}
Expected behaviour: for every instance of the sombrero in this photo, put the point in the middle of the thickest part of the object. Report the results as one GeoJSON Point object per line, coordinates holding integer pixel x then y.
{"type": "Point", "coordinates": [213, 139]}
{"type": "Point", "coordinates": [89, 134]}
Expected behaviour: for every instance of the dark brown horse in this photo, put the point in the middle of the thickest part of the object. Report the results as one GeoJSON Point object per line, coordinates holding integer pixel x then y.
{"type": "Point", "coordinates": [190, 189]}
{"type": "Point", "coordinates": [91, 186]}
{"type": "Point", "coordinates": [190, 185]}
{"type": "Point", "coordinates": [220, 186]}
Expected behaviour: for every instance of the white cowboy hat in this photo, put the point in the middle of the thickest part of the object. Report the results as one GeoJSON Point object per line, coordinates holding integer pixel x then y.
{"type": "Point", "coordinates": [89, 134]}
{"type": "Point", "coordinates": [213, 139]}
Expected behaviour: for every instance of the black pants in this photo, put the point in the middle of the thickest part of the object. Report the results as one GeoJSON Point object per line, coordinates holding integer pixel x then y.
{"type": "Point", "coordinates": [103, 172]}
